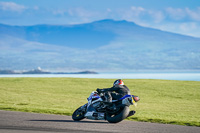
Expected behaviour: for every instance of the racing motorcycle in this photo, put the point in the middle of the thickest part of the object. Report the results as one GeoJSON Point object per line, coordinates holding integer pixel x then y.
{"type": "Point", "coordinates": [97, 109]}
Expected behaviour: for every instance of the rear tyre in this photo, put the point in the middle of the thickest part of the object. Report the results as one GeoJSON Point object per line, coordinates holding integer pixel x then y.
{"type": "Point", "coordinates": [78, 114]}
{"type": "Point", "coordinates": [121, 115]}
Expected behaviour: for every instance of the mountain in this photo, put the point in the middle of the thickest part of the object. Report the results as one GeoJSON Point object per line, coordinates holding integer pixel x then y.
{"type": "Point", "coordinates": [105, 45]}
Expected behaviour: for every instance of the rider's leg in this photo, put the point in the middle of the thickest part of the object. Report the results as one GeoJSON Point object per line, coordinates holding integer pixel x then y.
{"type": "Point", "coordinates": [108, 97]}
{"type": "Point", "coordinates": [116, 96]}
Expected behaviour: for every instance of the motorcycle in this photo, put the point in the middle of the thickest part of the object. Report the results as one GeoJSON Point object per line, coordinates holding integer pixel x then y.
{"type": "Point", "coordinates": [97, 109]}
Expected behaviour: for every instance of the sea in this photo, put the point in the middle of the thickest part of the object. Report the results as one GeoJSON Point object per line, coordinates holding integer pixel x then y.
{"type": "Point", "coordinates": [163, 76]}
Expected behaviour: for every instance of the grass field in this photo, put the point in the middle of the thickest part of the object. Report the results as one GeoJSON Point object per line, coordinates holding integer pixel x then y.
{"type": "Point", "coordinates": [162, 101]}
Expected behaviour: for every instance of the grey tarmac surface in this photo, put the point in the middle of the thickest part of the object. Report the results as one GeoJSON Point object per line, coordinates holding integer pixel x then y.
{"type": "Point", "coordinates": [20, 122]}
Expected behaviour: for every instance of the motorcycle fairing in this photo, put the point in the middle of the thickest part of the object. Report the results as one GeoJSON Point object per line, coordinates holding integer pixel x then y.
{"type": "Point", "coordinates": [126, 97]}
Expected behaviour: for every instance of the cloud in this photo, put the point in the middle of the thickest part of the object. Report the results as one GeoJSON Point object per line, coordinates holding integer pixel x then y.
{"type": "Point", "coordinates": [83, 14]}
{"type": "Point", "coordinates": [11, 6]}
{"type": "Point", "coordinates": [188, 26]}
{"type": "Point", "coordinates": [157, 16]}
{"type": "Point", "coordinates": [36, 8]}
{"type": "Point", "coordinates": [183, 13]}
{"type": "Point", "coordinates": [141, 15]}
{"type": "Point", "coordinates": [176, 20]}
{"type": "Point", "coordinates": [132, 12]}
{"type": "Point", "coordinates": [175, 13]}
{"type": "Point", "coordinates": [109, 10]}
{"type": "Point", "coordinates": [194, 15]}
{"type": "Point", "coordinates": [185, 28]}
{"type": "Point", "coordinates": [80, 12]}
{"type": "Point", "coordinates": [137, 10]}
{"type": "Point", "coordinates": [59, 12]}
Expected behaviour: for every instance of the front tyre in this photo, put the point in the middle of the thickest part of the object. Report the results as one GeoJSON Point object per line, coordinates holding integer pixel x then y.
{"type": "Point", "coordinates": [78, 114]}
{"type": "Point", "coordinates": [124, 112]}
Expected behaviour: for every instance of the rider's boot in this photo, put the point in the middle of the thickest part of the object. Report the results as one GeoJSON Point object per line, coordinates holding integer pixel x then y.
{"type": "Point", "coordinates": [131, 113]}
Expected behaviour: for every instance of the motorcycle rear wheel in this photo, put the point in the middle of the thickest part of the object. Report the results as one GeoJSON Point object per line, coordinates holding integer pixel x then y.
{"type": "Point", "coordinates": [78, 114]}
{"type": "Point", "coordinates": [123, 113]}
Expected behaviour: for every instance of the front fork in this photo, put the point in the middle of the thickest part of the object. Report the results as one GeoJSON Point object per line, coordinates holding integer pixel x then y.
{"type": "Point", "coordinates": [84, 107]}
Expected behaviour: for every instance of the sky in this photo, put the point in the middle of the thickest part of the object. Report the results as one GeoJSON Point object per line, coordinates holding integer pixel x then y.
{"type": "Point", "coordinates": [177, 16]}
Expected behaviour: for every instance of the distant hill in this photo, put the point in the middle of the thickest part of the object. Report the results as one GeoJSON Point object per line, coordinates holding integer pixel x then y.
{"type": "Point", "coordinates": [40, 71]}
{"type": "Point", "coordinates": [105, 45]}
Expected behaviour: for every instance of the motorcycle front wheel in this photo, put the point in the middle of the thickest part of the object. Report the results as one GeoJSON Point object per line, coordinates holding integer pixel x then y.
{"type": "Point", "coordinates": [78, 114]}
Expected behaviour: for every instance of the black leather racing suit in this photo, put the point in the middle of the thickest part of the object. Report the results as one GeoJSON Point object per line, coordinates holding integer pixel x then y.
{"type": "Point", "coordinates": [120, 91]}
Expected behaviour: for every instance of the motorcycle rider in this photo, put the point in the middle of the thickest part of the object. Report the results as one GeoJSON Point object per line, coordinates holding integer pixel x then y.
{"type": "Point", "coordinates": [118, 87]}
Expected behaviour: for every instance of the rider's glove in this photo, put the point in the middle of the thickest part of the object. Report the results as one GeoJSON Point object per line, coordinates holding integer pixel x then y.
{"type": "Point", "coordinates": [98, 90]}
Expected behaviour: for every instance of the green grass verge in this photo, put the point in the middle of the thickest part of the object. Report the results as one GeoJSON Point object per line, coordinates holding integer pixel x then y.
{"type": "Point", "coordinates": [162, 101]}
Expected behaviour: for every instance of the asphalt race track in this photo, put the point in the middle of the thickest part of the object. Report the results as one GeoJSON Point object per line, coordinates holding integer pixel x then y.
{"type": "Point", "coordinates": [20, 122]}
